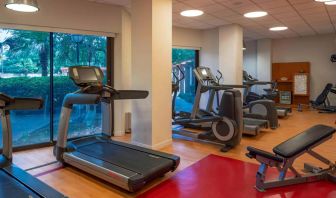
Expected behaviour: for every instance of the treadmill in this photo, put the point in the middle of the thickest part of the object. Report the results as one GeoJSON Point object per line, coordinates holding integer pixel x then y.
{"type": "Point", "coordinates": [125, 165]}
{"type": "Point", "coordinates": [14, 181]}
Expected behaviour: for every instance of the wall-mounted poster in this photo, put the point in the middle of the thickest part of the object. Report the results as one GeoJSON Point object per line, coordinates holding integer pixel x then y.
{"type": "Point", "coordinates": [301, 84]}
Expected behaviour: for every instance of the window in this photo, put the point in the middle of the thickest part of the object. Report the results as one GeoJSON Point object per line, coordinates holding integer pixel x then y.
{"type": "Point", "coordinates": [35, 64]}
{"type": "Point", "coordinates": [24, 64]}
{"type": "Point", "coordinates": [186, 59]}
{"type": "Point", "coordinates": [71, 49]}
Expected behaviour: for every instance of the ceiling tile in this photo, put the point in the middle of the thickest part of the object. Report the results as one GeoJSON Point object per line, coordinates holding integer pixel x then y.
{"type": "Point", "coordinates": [303, 17]}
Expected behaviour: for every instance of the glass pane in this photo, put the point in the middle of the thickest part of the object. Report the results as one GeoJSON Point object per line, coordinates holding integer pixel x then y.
{"type": "Point", "coordinates": [186, 94]}
{"type": "Point", "coordinates": [24, 70]}
{"type": "Point", "coordinates": [71, 50]}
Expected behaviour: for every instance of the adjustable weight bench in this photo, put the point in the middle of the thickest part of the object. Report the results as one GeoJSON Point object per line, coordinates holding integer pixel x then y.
{"type": "Point", "coordinates": [285, 154]}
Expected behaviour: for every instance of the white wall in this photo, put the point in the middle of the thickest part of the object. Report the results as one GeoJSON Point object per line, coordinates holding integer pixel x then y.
{"type": "Point", "coordinates": [264, 63]}
{"type": "Point", "coordinates": [313, 49]}
{"type": "Point", "coordinates": [71, 16]}
{"type": "Point", "coordinates": [250, 58]}
{"type": "Point", "coordinates": [209, 55]}
{"type": "Point", "coordinates": [258, 61]}
{"type": "Point", "coordinates": [187, 38]}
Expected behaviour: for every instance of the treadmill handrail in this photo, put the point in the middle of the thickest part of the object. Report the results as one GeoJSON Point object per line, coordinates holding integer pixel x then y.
{"type": "Point", "coordinates": [129, 94]}
{"type": "Point", "coordinates": [223, 87]}
{"type": "Point", "coordinates": [25, 104]}
{"type": "Point", "coordinates": [80, 98]}
{"type": "Point", "coordinates": [20, 103]}
{"type": "Point", "coordinates": [5, 98]}
{"type": "Point", "coordinates": [257, 82]}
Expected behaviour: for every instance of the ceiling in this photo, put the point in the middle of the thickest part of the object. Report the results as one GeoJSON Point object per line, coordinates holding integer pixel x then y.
{"type": "Point", "coordinates": [303, 17]}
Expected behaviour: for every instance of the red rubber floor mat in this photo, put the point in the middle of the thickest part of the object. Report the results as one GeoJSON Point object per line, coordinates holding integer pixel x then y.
{"type": "Point", "coordinates": [218, 177]}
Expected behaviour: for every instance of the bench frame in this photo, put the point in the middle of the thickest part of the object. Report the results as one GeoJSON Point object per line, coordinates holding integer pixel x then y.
{"type": "Point", "coordinates": [313, 173]}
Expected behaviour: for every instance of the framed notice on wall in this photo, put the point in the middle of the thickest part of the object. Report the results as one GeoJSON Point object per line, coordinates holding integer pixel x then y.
{"type": "Point", "coordinates": [301, 84]}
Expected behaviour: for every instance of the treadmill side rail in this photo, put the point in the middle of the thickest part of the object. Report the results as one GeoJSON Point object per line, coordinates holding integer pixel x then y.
{"type": "Point", "coordinates": [32, 183]}
{"type": "Point", "coordinates": [105, 173]}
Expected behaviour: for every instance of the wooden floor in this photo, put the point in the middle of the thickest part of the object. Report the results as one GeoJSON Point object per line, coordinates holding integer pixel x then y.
{"type": "Point", "coordinates": [75, 183]}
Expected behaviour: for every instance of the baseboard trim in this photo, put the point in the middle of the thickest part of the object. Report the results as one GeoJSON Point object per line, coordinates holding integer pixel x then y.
{"type": "Point", "coordinates": [155, 146]}
{"type": "Point", "coordinates": [118, 133]}
{"type": "Point", "coordinates": [163, 144]}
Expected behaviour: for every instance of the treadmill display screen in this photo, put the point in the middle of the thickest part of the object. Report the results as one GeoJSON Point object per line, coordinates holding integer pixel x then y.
{"type": "Point", "coordinates": [204, 72]}
{"type": "Point", "coordinates": [87, 75]}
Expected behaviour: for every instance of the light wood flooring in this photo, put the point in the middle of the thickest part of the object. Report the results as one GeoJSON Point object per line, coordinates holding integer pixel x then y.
{"type": "Point", "coordinates": [75, 183]}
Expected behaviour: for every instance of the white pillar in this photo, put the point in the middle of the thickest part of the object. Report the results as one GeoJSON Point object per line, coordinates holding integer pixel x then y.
{"type": "Point", "coordinates": [151, 70]}
{"type": "Point", "coordinates": [122, 72]}
{"type": "Point", "coordinates": [231, 53]}
{"type": "Point", "coordinates": [209, 56]}
{"type": "Point", "coordinates": [264, 62]}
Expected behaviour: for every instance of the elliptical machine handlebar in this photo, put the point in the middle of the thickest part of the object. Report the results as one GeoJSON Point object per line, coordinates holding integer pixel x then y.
{"type": "Point", "coordinates": [178, 66]}
{"type": "Point", "coordinates": [219, 77]}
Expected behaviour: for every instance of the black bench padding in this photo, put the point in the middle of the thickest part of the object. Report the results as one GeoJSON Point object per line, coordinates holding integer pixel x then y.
{"type": "Point", "coordinates": [253, 152]}
{"type": "Point", "coordinates": [303, 141]}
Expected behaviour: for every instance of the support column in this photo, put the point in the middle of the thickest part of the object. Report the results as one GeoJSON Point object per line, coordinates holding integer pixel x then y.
{"type": "Point", "coordinates": [122, 71]}
{"type": "Point", "coordinates": [264, 62]}
{"type": "Point", "coordinates": [231, 53]}
{"type": "Point", "coordinates": [151, 70]}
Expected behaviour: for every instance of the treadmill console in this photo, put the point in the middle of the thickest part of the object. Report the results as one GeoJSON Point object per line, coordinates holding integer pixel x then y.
{"type": "Point", "coordinates": [203, 74]}
{"type": "Point", "coordinates": [86, 75]}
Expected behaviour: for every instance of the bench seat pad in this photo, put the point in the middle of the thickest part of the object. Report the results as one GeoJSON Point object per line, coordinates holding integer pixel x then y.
{"type": "Point", "coordinates": [253, 152]}
{"type": "Point", "coordinates": [303, 141]}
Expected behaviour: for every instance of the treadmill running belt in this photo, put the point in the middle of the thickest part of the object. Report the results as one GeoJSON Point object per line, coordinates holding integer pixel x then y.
{"type": "Point", "coordinates": [127, 158]}
{"type": "Point", "coordinates": [10, 187]}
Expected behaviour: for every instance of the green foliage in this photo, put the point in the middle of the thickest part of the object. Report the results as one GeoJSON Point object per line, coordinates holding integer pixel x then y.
{"type": "Point", "coordinates": [180, 55]}
{"type": "Point", "coordinates": [29, 51]}
{"type": "Point", "coordinates": [91, 50]}
{"type": "Point", "coordinates": [38, 87]}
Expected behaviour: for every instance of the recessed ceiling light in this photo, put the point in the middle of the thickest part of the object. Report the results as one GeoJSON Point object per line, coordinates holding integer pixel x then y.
{"type": "Point", "coordinates": [255, 14]}
{"type": "Point", "coordinates": [22, 5]}
{"type": "Point", "coordinates": [192, 13]}
{"type": "Point", "coordinates": [279, 28]}
{"type": "Point", "coordinates": [330, 3]}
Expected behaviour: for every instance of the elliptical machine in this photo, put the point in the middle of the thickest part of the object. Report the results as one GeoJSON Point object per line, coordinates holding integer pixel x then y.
{"type": "Point", "coordinates": [176, 88]}
{"type": "Point", "coordinates": [270, 94]}
{"type": "Point", "coordinates": [225, 130]}
{"type": "Point", "coordinates": [252, 123]}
